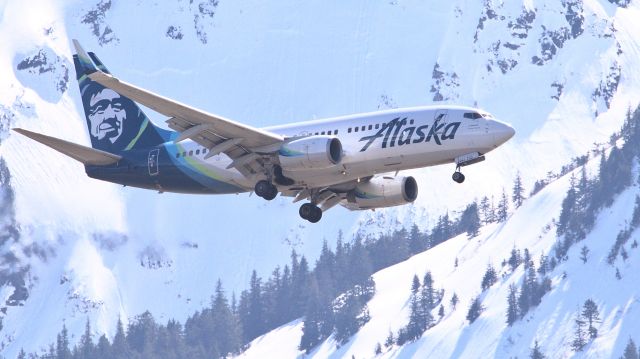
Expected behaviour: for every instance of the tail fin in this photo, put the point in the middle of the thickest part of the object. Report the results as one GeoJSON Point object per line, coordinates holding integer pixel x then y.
{"type": "Point", "coordinates": [115, 122]}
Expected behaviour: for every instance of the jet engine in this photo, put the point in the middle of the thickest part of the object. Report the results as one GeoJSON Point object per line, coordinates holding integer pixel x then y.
{"type": "Point", "coordinates": [310, 153]}
{"type": "Point", "coordinates": [383, 192]}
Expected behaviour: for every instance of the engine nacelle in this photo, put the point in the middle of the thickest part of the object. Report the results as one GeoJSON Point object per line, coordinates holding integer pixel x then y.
{"type": "Point", "coordinates": [383, 192]}
{"type": "Point", "coordinates": [310, 153]}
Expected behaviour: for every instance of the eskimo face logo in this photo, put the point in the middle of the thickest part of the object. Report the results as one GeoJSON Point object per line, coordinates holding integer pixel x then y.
{"type": "Point", "coordinates": [106, 115]}
{"type": "Point", "coordinates": [394, 132]}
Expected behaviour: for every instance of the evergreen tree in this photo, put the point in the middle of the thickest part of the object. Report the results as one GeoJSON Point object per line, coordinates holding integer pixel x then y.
{"type": "Point", "coordinates": [503, 207]}
{"type": "Point", "coordinates": [390, 340]}
{"type": "Point", "coordinates": [120, 346]}
{"type": "Point", "coordinates": [568, 210]}
{"type": "Point", "coordinates": [490, 277]}
{"type": "Point", "coordinates": [630, 351]}
{"type": "Point", "coordinates": [512, 305]}
{"type": "Point", "coordinates": [378, 349]}
{"type": "Point", "coordinates": [226, 331]}
{"type": "Point", "coordinates": [416, 243]}
{"type": "Point", "coordinates": [475, 309]}
{"type": "Point", "coordinates": [428, 297]}
{"type": "Point", "coordinates": [62, 344]}
{"type": "Point", "coordinates": [22, 354]}
{"type": "Point", "coordinates": [254, 322]}
{"type": "Point", "coordinates": [300, 278]}
{"type": "Point", "coordinates": [485, 209]}
{"type": "Point", "coordinates": [351, 311]}
{"type": "Point", "coordinates": [311, 335]}
{"type": "Point", "coordinates": [142, 333]}
{"type": "Point", "coordinates": [470, 220]}
{"type": "Point", "coordinates": [536, 353]}
{"type": "Point", "coordinates": [86, 349]}
{"type": "Point", "coordinates": [417, 324]}
{"type": "Point", "coordinates": [579, 340]}
{"type": "Point", "coordinates": [515, 259]}
{"type": "Point", "coordinates": [103, 348]}
{"type": "Point", "coordinates": [584, 252]}
{"type": "Point", "coordinates": [441, 311]}
{"type": "Point", "coordinates": [360, 263]}
{"type": "Point", "coordinates": [591, 314]}
{"type": "Point", "coordinates": [543, 267]}
{"type": "Point", "coordinates": [518, 191]}
{"type": "Point", "coordinates": [454, 301]}
{"type": "Point", "coordinates": [415, 285]}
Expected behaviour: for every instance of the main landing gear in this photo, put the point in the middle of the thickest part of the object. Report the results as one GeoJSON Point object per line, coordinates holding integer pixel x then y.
{"type": "Point", "coordinates": [310, 212]}
{"type": "Point", "coordinates": [266, 190]}
{"type": "Point", "coordinates": [457, 176]}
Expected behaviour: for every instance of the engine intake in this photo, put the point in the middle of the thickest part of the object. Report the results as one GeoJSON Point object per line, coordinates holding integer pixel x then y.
{"type": "Point", "coordinates": [382, 192]}
{"type": "Point", "coordinates": [310, 153]}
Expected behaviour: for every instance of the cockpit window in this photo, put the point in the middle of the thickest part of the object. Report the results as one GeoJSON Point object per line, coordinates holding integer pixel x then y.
{"type": "Point", "coordinates": [472, 115]}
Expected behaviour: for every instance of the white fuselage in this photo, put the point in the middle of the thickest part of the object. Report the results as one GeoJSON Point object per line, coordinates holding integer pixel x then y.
{"type": "Point", "coordinates": [383, 141]}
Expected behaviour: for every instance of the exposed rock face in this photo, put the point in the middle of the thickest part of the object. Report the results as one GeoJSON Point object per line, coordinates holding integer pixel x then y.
{"type": "Point", "coordinates": [203, 13]}
{"type": "Point", "coordinates": [445, 84]}
{"type": "Point", "coordinates": [603, 94]}
{"type": "Point", "coordinates": [621, 3]}
{"type": "Point", "coordinates": [45, 72]}
{"type": "Point", "coordinates": [95, 18]}
{"type": "Point", "coordinates": [174, 32]}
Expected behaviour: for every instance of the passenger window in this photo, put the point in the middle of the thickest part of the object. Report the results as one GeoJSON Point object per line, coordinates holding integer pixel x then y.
{"type": "Point", "coordinates": [328, 132]}
{"type": "Point", "coordinates": [204, 150]}
{"type": "Point", "coordinates": [316, 133]}
{"type": "Point", "coordinates": [178, 155]}
{"type": "Point", "coordinates": [377, 126]}
{"type": "Point", "coordinates": [335, 132]}
{"type": "Point", "coordinates": [411, 122]}
{"type": "Point", "coordinates": [322, 133]}
{"type": "Point", "coordinates": [198, 151]}
{"type": "Point", "coordinates": [349, 130]}
{"type": "Point", "coordinates": [364, 128]}
{"type": "Point", "coordinates": [370, 127]}
{"type": "Point", "coordinates": [184, 154]}
{"type": "Point", "coordinates": [191, 153]}
{"type": "Point", "coordinates": [355, 129]}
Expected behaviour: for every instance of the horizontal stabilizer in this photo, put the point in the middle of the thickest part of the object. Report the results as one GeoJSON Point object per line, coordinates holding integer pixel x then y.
{"type": "Point", "coordinates": [86, 155]}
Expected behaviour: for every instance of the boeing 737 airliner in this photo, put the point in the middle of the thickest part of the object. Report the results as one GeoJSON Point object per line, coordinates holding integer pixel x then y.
{"type": "Point", "coordinates": [341, 160]}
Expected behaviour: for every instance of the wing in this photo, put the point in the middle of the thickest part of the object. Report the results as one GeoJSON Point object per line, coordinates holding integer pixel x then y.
{"type": "Point", "coordinates": [244, 144]}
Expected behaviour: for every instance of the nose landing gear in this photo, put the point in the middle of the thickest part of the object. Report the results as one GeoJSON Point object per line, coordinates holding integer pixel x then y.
{"type": "Point", "coordinates": [457, 176]}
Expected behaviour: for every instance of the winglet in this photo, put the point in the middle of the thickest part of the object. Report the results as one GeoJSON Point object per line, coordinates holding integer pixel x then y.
{"type": "Point", "coordinates": [84, 59]}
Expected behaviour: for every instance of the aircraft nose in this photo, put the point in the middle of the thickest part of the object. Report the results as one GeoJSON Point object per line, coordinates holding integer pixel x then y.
{"type": "Point", "coordinates": [502, 132]}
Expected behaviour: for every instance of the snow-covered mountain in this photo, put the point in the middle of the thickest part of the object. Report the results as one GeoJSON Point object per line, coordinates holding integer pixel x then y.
{"type": "Point", "coordinates": [562, 72]}
{"type": "Point", "coordinates": [458, 267]}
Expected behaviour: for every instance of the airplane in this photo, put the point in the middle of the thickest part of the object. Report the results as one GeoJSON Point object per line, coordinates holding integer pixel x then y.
{"type": "Point", "coordinates": [348, 160]}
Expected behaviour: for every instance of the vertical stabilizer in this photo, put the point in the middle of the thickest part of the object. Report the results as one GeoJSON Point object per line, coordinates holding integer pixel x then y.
{"type": "Point", "coordinates": [115, 122]}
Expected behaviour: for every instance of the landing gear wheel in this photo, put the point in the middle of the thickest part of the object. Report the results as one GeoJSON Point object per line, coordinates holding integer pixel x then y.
{"type": "Point", "coordinates": [272, 194]}
{"type": "Point", "coordinates": [317, 215]}
{"type": "Point", "coordinates": [458, 177]}
{"type": "Point", "coordinates": [310, 212]}
{"type": "Point", "coordinates": [266, 190]}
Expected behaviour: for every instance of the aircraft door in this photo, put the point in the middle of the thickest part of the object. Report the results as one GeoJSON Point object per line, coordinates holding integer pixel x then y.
{"type": "Point", "coordinates": [153, 162]}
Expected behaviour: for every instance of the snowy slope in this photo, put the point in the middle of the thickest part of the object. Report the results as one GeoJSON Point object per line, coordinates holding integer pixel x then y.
{"type": "Point", "coordinates": [551, 323]}
{"type": "Point", "coordinates": [113, 251]}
